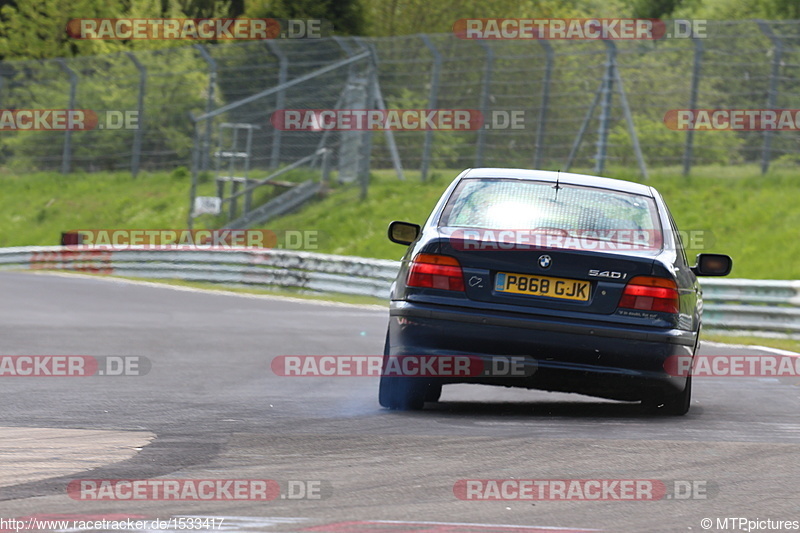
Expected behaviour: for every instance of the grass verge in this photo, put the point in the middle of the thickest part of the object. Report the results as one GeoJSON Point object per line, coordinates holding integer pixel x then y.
{"type": "Point", "coordinates": [782, 344]}
{"type": "Point", "coordinates": [738, 211]}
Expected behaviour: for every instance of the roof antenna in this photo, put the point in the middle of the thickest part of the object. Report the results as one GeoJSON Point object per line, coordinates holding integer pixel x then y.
{"type": "Point", "coordinates": [557, 187]}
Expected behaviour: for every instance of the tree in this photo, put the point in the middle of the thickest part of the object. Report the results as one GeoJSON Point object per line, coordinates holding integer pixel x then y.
{"type": "Point", "coordinates": [37, 30]}
{"type": "Point", "coordinates": [405, 17]}
{"type": "Point", "coordinates": [346, 16]}
{"type": "Point", "coordinates": [212, 8]}
{"type": "Point", "coordinates": [739, 9]}
{"type": "Point", "coordinates": [654, 9]}
{"type": "Point", "coordinates": [783, 9]}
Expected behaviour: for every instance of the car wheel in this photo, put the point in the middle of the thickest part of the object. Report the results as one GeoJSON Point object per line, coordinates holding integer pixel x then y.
{"type": "Point", "coordinates": [433, 392]}
{"type": "Point", "coordinates": [403, 394]}
{"type": "Point", "coordinates": [672, 405]}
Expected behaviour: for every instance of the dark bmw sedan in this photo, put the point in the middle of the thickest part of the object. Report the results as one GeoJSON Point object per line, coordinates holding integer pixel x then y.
{"type": "Point", "coordinates": [582, 281]}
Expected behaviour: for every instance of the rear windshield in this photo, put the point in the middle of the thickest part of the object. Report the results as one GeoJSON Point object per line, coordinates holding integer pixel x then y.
{"type": "Point", "coordinates": [498, 204]}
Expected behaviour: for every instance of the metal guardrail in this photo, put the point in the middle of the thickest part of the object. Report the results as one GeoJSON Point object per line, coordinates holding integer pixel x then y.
{"type": "Point", "coordinates": [758, 306]}
{"type": "Point", "coordinates": [309, 272]}
{"type": "Point", "coordinates": [741, 306]}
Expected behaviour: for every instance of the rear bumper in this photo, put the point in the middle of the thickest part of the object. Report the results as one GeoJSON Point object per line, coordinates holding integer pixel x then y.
{"type": "Point", "coordinates": [597, 359]}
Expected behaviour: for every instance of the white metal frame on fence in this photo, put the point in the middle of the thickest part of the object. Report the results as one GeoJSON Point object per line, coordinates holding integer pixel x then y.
{"type": "Point", "coordinates": [760, 307]}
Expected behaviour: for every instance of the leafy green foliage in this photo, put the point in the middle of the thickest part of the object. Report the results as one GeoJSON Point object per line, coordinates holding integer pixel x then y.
{"type": "Point", "coordinates": [738, 9]}
{"type": "Point", "coordinates": [662, 144]}
{"type": "Point", "coordinates": [37, 30]}
{"type": "Point", "coordinates": [654, 9]}
{"type": "Point", "coordinates": [347, 16]}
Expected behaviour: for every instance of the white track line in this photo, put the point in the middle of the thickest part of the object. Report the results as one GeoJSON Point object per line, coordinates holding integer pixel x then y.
{"type": "Point", "coordinates": [776, 351]}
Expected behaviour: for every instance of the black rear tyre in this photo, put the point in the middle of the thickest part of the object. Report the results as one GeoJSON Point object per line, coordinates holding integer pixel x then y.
{"type": "Point", "coordinates": [672, 405]}
{"type": "Point", "coordinates": [403, 394]}
{"type": "Point", "coordinates": [433, 393]}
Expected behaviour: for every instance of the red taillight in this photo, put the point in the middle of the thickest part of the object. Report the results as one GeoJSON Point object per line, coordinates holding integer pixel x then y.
{"type": "Point", "coordinates": [434, 271]}
{"type": "Point", "coordinates": [650, 294]}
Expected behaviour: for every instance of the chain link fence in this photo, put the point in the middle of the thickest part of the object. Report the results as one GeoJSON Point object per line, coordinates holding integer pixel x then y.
{"type": "Point", "coordinates": [571, 95]}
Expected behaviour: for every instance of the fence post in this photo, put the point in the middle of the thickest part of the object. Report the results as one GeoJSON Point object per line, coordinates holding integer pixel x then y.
{"type": "Point", "coordinates": [280, 100]}
{"type": "Point", "coordinates": [356, 95]}
{"type": "Point", "coordinates": [433, 101]}
{"type": "Point", "coordinates": [348, 50]}
{"type": "Point", "coordinates": [195, 170]}
{"type": "Point", "coordinates": [325, 179]}
{"type": "Point", "coordinates": [234, 201]}
{"type": "Point", "coordinates": [689, 146]}
{"type": "Point", "coordinates": [605, 109]}
{"type": "Point", "coordinates": [772, 92]}
{"type": "Point", "coordinates": [212, 82]}
{"type": "Point", "coordinates": [626, 111]}
{"type": "Point", "coordinates": [272, 90]}
{"type": "Point", "coordinates": [66, 157]}
{"type": "Point", "coordinates": [136, 150]}
{"type": "Point", "coordinates": [248, 197]}
{"type": "Point", "coordinates": [540, 127]}
{"type": "Point", "coordinates": [377, 97]}
{"type": "Point", "coordinates": [573, 152]}
{"type": "Point", "coordinates": [365, 161]}
{"type": "Point", "coordinates": [484, 102]}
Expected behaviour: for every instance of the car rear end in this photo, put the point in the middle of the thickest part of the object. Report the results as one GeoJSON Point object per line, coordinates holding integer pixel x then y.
{"type": "Point", "coordinates": [577, 279]}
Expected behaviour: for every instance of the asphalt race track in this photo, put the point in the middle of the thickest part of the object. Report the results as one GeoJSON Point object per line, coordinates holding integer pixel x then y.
{"type": "Point", "coordinates": [210, 407]}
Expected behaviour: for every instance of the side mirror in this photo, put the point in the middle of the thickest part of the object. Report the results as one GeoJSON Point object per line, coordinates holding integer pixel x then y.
{"type": "Point", "coordinates": [712, 265]}
{"type": "Point", "coordinates": [403, 232]}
